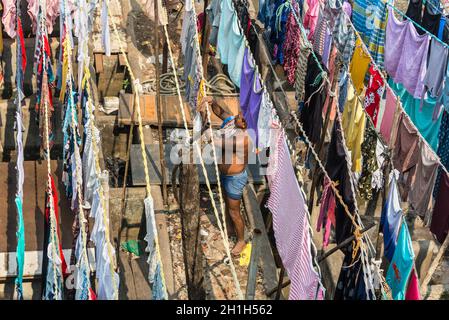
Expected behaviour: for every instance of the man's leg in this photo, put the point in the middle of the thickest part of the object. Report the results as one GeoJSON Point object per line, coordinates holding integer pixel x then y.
{"type": "Point", "coordinates": [234, 213]}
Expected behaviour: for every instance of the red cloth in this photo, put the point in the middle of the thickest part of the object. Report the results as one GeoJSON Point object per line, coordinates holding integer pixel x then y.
{"type": "Point", "coordinates": [373, 94]}
{"type": "Point", "coordinates": [413, 288]}
{"type": "Point", "coordinates": [22, 44]}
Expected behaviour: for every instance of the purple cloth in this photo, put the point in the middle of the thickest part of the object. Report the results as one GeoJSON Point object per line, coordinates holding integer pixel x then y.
{"type": "Point", "coordinates": [291, 222]}
{"type": "Point", "coordinates": [327, 48]}
{"type": "Point", "coordinates": [251, 92]}
{"type": "Point", "coordinates": [406, 54]}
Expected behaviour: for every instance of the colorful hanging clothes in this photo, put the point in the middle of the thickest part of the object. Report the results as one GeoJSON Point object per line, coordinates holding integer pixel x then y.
{"type": "Point", "coordinates": [326, 218]}
{"type": "Point", "coordinates": [230, 42]}
{"type": "Point", "coordinates": [251, 91]}
{"type": "Point", "coordinates": [344, 37]}
{"type": "Point", "coordinates": [440, 218]}
{"type": "Point", "coordinates": [291, 223]}
{"type": "Point", "coordinates": [422, 117]}
{"type": "Point", "coordinates": [311, 17]}
{"type": "Point", "coordinates": [359, 66]}
{"type": "Point", "coordinates": [353, 121]}
{"type": "Point", "coordinates": [401, 265]}
{"type": "Point", "coordinates": [374, 94]}
{"type": "Point", "coordinates": [213, 12]}
{"type": "Point", "coordinates": [9, 17]}
{"type": "Point", "coordinates": [403, 45]}
{"type": "Point", "coordinates": [52, 10]}
{"type": "Point", "coordinates": [278, 29]}
{"type": "Point", "coordinates": [436, 70]}
{"type": "Point", "coordinates": [423, 181]}
{"type": "Point", "coordinates": [391, 218]}
{"type": "Point", "coordinates": [301, 70]}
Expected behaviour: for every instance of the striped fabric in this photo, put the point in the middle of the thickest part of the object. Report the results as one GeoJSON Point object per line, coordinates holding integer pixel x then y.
{"type": "Point", "coordinates": [291, 224]}
{"type": "Point", "coordinates": [370, 19]}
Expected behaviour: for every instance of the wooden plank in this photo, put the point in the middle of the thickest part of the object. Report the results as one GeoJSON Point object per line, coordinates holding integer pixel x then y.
{"type": "Point", "coordinates": [170, 110]}
{"type": "Point", "coordinates": [267, 261]}
{"type": "Point", "coordinates": [99, 62]}
{"type": "Point", "coordinates": [138, 177]}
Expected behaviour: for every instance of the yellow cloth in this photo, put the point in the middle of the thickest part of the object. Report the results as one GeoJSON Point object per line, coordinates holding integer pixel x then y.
{"type": "Point", "coordinates": [353, 122]}
{"type": "Point", "coordinates": [65, 68]}
{"type": "Point", "coordinates": [245, 255]}
{"type": "Point", "coordinates": [359, 66]}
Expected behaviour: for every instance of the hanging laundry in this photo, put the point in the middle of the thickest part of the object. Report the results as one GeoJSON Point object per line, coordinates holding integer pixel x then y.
{"type": "Point", "coordinates": [9, 17]}
{"type": "Point", "coordinates": [359, 66]}
{"type": "Point", "coordinates": [443, 99]}
{"type": "Point", "coordinates": [374, 94]}
{"type": "Point", "coordinates": [402, 45]}
{"type": "Point", "coordinates": [278, 29]}
{"type": "Point", "coordinates": [423, 182]}
{"type": "Point", "coordinates": [314, 97]}
{"type": "Point", "coordinates": [353, 122]}
{"type": "Point", "coordinates": [230, 42]}
{"type": "Point", "coordinates": [213, 11]}
{"type": "Point", "coordinates": [311, 17]}
{"type": "Point", "coordinates": [387, 118]}
{"type": "Point", "coordinates": [443, 149]}
{"type": "Point", "coordinates": [343, 81]}
{"type": "Point", "coordinates": [52, 13]}
{"type": "Point", "coordinates": [161, 12]}
{"type": "Point", "coordinates": [436, 70]}
{"type": "Point", "coordinates": [326, 218]}
{"type": "Point", "coordinates": [265, 121]}
{"type": "Point", "coordinates": [291, 223]}
{"type": "Point", "coordinates": [338, 169]}
{"type": "Point", "coordinates": [54, 266]}
{"type": "Point", "coordinates": [301, 70]}
{"type": "Point", "coordinates": [369, 164]}
{"type": "Point", "coordinates": [413, 287]}
{"type": "Point", "coordinates": [241, 9]}
{"type": "Point", "coordinates": [292, 48]}
{"type": "Point", "coordinates": [344, 37]}
{"type": "Point", "coordinates": [351, 282]}
{"type": "Point", "coordinates": [422, 117]}
{"type": "Point", "coordinates": [401, 265]}
{"type": "Point", "coordinates": [331, 100]}
{"type": "Point", "coordinates": [251, 91]}
{"type": "Point", "coordinates": [105, 33]}
{"type": "Point", "coordinates": [440, 217]}
{"type": "Point", "coordinates": [370, 20]}
{"type": "Point", "coordinates": [405, 154]}
{"type": "Point", "coordinates": [430, 19]}
{"type": "Point", "coordinates": [159, 290]}
{"type": "Point", "coordinates": [391, 218]}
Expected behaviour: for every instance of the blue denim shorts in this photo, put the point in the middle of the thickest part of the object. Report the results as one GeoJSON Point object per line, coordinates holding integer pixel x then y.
{"type": "Point", "coordinates": [234, 184]}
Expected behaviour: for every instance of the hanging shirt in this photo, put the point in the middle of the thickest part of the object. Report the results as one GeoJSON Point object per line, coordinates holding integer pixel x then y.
{"type": "Point", "coordinates": [231, 44]}
{"type": "Point", "coordinates": [424, 181]}
{"type": "Point", "coordinates": [359, 66]}
{"type": "Point", "coordinates": [353, 121]}
{"type": "Point", "coordinates": [421, 116]}
{"type": "Point", "coordinates": [405, 153]}
{"type": "Point", "coordinates": [251, 91]}
{"type": "Point", "coordinates": [291, 223]}
{"type": "Point", "coordinates": [440, 218]}
{"type": "Point", "coordinates": [9, 17]}
{"type": "Point", "coordinates": [344, 37]}
{"type": "Point", "coordinates": [214, 14]}
{"type": "Point", "coordinates": [403, 45]}
{"type": "Point", "coordinates": [436, 69]}
{"type": "Point", "coordinates": [401, 265]}
{"type": "Point", "coordinates": [264, 123]}
{"type": "Point", "coordinates": [311, 16]}
{"type": "Point", "coordinates": [391, 218]}
{"type": "Point", "coordinates": [52, 10]}
{"type": "Point", "coordinates": [373, 94]}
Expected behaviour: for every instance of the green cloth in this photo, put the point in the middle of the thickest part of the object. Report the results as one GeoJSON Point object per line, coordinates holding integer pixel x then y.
{"type": "Point", "coordinates": [422, 119]}
{"type": "Point", "coordinates": [132, 246]}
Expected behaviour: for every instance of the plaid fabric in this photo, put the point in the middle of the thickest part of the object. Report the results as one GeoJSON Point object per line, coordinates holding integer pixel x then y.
{"type": "Point", "coordinates": [291, 48]}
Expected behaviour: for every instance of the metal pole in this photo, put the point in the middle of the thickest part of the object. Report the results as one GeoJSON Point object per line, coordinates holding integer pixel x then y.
{"type": "Point", "coordinates": [158, 105]}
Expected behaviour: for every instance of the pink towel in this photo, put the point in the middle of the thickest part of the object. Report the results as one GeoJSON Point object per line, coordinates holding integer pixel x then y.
{"type": "Point", "coordinates": [388, 116]}
{"type": "Point", "coordinates": [290, 223]}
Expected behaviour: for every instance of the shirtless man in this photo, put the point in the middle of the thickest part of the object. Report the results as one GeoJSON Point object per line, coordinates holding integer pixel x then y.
{"type": "Point", "coordinates": [234, 142]}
